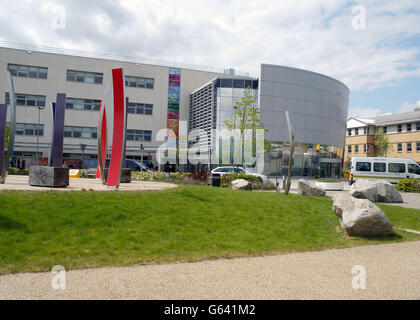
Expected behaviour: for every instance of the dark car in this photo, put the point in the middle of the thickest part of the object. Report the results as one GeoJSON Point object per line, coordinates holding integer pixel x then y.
{"type": "Point", "coordinates": [132, 164]}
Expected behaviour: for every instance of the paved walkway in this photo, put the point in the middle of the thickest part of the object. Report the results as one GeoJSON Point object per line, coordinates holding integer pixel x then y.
{"type": "Point", "coordinates": [21, 183]}
{"type": "Point", "coordinates": [392, 272]}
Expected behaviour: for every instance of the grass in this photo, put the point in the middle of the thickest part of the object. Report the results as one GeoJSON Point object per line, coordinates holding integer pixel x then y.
{"type": "Point", "coordinates": [189, 223]}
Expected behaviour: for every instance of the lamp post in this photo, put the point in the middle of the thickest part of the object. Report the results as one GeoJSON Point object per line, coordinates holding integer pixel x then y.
{"type": "Point", "coordinates": [83, 147]}
{"type": "Point", "coordinates": [141, 153]}
{"type": "Point", "coordinates": [37, 132]}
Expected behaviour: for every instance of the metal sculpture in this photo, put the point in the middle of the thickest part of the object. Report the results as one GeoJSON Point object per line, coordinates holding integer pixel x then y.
{"type": "Point", "coordinates": [291, 152]}
{"type": "Point", "coordinates": [102, 139]}
{"type": "Point", "coordinates": [119, 129]}
{"type": "Point", "coordinates": [58, 131]}
{"type": "Point", "coordinates": [9, 155]}
{"type": "Point", "coordinates": [3, 113]}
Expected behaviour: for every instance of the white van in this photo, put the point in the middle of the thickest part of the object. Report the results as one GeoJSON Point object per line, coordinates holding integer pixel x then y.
{"type": "Point", "coordinates": [389, 169]}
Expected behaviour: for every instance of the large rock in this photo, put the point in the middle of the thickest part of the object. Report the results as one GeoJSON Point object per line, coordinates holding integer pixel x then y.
{"type": "Point", "coordinates": [305, 188]}
{"type": "Point", "coordinates": [360, 217]}
{"type": "Point", "coordinates": [241, 184]}
{"type": "Point", "coordinates": [43, 176]}
{"type": "Point", "coordinates": [375, 191]}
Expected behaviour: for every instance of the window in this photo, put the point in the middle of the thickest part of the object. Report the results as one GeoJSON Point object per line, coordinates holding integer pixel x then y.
{"type": "Point", "coordinates": [408, 127]}
{"type": "Point", "coordinates": [366, 148]}
{"type": "Point", "coordinates": [139, 82]}
{"type": "Point", "coordinates": [140, 108]}
{"type": "Point", "coordinates": [139, 135]}
{"type": "Point", "coordinates": [28, 71]}
{"type": "Point", "coordinates": [366, 130]}
{"type": "Point", "coordinates": [409, 147]}
{"type": "Point", "coordinates": [356, 131]}
{"type": "Point", "coordinates": [379, 167]}
{"type": "Point", "coordinates": [80, 132]}
{"type": "Point", "coordinates": [399, 128]}
{"type": "Point", "coordinates": [385, 129]}
{"type": "Point", "coordinates": [29, 129]}
{"type": "Point", "coordinates": [349, 149]}
{"type": "Point", "coordinates": [356, 149]}
{"type": "Point", "coordinates": [82, 104]}
{"type": "Point", "coordinates": [349, 132]}
{"type": "Point", "coordinates": [30, 100]}
{"type": "Point", "coordinates": [396, 167]}
{"type": "Point", "coordinates": [363, 166]}
{"type": "Point", "coordinates": [86, 77]}
{"type": "Point", "coordinates": [399, 147]}
{"type": "Point", "coordinates": [418, 146]}
{"type": "Point", "coordinates": [418, 126]}
{"type": "Point", "coordinates": [414, 168]}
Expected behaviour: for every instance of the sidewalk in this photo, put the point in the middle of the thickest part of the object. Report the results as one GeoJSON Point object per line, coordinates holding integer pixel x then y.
{"type": "Point", "coordinates": [392, 272]}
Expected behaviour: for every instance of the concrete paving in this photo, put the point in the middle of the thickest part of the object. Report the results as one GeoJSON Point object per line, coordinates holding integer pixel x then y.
{"type": "Point", "coordinates": [21, 183]}
{"type": "Point", "coordinates": [392, 272]}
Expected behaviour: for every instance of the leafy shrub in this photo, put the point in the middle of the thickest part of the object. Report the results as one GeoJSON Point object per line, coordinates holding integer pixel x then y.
{"type": "Point", "coordinates": [148, 176]}
{"type": "Point", "coordinates": [18, 172]}
{"type": "Point", "coordinates": [408, 185]}
{"type": "Point", "coordinates": [228, 178]}
{"type": "Point", "coordinates": [83, 173]}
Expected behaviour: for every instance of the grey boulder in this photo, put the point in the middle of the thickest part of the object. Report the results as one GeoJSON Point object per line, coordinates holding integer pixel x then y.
{"type": "Point", "coordinates": [375, 191]}
{"type": "Point", "coordinates": [360, 217]}
{"type": "Point", "coordinates": [241, 184]}
{"type": "Point", "coordinates": [305, 188]}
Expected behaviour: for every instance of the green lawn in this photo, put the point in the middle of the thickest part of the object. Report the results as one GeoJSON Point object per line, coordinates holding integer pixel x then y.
{"type": "Point", "coordinates": [90, 229]}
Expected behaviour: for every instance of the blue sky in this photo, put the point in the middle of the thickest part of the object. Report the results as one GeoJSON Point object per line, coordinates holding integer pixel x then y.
{"type": "Point", "coordinates": [373, 46]}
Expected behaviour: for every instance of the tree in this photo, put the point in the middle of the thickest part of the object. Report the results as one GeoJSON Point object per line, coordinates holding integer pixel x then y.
{"type": "Point", "coordinates": [381, 142]}
{"type": "Point", "coordinates": [247, 116]}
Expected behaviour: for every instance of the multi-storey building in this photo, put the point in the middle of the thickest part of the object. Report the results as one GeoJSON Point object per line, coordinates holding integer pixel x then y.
{"type": "Point", "coordinates": [402, 130]}
{"type": "Point", "coordinates": [161, 95]}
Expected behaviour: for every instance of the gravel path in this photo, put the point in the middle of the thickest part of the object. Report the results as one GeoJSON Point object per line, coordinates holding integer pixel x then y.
{"type": "Point", "coordinates": [393, 272]}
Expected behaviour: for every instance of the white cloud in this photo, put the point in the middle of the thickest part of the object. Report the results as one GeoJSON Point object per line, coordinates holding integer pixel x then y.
{"type": "Point", "coordinates": [406, 107]}
{"type": "Point", "coordinates": [316, 34]}
{"type": "Point", "coordinates": [364, 112]}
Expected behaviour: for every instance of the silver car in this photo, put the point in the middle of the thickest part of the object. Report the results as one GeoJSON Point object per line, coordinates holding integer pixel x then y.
{"type": "Point", "coordinates": [230, 169]}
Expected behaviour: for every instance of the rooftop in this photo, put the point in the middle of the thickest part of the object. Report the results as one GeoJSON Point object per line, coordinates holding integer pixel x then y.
{"type": "Point", "coordinates": [397, 118]}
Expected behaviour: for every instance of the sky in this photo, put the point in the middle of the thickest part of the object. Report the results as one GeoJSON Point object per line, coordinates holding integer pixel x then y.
{"type": "Point", "coordinates": [373, 46]}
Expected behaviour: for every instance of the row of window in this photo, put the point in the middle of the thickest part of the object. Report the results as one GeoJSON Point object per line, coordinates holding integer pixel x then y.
{"type": "Point", "coordinates": [381, 167]}
{"type": "Point", "coordinates": [28, 71]}
{"type": "Point", "coordinates": [140, 108]}
{"type": "Point", "coordinates": [82, 104]}
{"type": "Point", "coordinates": [409, 127]}
{"type": "Point", "coordinates": [30, 129]}
{"type": "Point", "coordinates": [409, 147]}
{"type": "Point", "coordinates": [77, 76]}
{"type": "Point", "coordinates": [139, 82]}
{"type": "Point", "coordinates": [78, 104]}
{"type": "Point", "coordinates": [366, 130]}
{"type": "Point", "coordinates": [366, 148]}
{"type": "Point", "coordinates": [139, 135]}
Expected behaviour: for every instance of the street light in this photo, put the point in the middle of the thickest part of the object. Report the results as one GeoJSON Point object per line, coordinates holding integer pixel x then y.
{"type": "Point", "coordinates": [83, 147]}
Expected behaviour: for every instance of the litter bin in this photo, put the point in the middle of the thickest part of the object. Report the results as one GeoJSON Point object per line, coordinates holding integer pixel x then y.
{"type": "Point", "coordinates": [215, 180]}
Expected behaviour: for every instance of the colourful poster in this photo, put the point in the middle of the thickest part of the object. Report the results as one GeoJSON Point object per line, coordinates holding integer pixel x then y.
{"type": "Point", "coordinates": [173, 100]}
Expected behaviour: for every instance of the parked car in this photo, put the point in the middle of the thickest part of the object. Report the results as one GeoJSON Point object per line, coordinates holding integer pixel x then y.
{"type": "Point", "coordinates": [230, 169]}
{"type": "Point", "coordinates": [132, 164]}
{"type": "Point", "coordinates": [388, 169]}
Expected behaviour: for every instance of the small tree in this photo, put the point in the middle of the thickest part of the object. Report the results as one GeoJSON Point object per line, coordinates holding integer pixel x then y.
{"type": "Point", "coordinates": [247, 116]}
{"type": "Point", "coordinates": [381, 142]}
